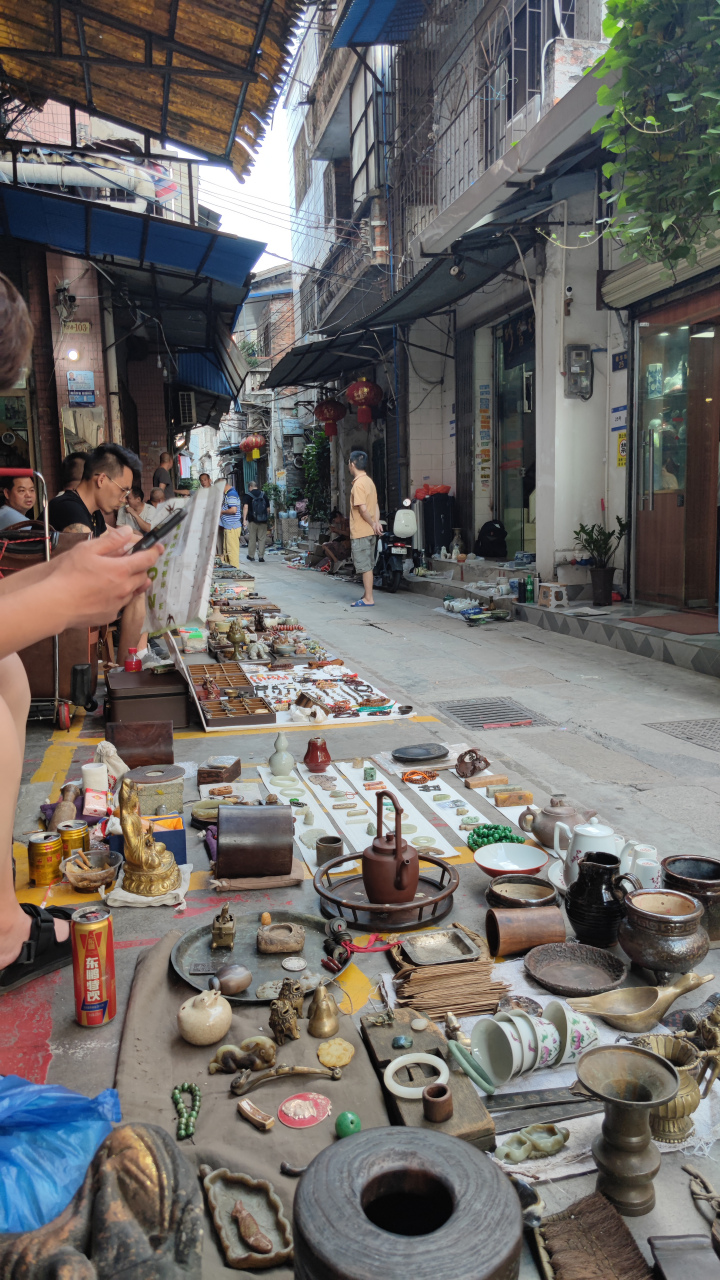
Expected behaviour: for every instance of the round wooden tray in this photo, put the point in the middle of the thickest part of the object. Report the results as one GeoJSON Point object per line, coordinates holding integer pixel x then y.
{"type": "Point", "coordinates": [194, 949]}
{"type": "Point", "coordinates": [347, 897]}
{"type": "Point", "coordinates": [575, 969]}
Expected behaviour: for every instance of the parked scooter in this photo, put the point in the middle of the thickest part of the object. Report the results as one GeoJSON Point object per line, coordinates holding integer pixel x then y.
{"type": "Point", "coordinates": [393, 549]}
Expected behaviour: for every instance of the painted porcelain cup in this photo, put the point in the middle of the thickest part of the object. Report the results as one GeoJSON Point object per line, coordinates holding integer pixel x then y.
{"type": "Point", "coordinates": [528, 1038]}
{"type": "Point", "coordinates": [577, 1032]}
{"type": "Point", "coordinates": [548, 1038]}
{"type": "Point", "coordinates": [498, 1052]}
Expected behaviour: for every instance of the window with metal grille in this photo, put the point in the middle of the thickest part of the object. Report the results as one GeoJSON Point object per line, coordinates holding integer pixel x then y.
{"type": "Point", "coordinates": [301, 168]}
{"type": "Point", "coordinates": [186, 401]}
{"type": "Point", "coordinates": [328, 194]}
{"type": "Point", "coordinates": [308, 305]}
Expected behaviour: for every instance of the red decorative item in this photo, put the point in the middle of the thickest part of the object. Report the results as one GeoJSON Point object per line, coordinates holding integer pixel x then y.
{"type": "Point", "coordinates": [317, 757]}
{"type": "Point", "coordinates": [252, 442]}
{"type": "Point", "coordinates": [329, 411]}
{"type": "Point", "coordinates": [330, 430]}
{"type": "Point", "coordinates": [303, 1110]}
{"type": "Point", "coordinates": [365, 395]}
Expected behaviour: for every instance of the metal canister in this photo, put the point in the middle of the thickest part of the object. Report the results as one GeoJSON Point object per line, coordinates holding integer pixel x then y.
{"type": "Point", "coordinates": [45, 853]}
{"type": "Point", "coordinates": [93, 949]}
{"type": "Point", "coordinates": [75, 835]}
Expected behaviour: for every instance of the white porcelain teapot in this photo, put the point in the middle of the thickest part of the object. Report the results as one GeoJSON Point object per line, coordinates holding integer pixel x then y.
{"type": "Point", "coordinates": [590, 837]}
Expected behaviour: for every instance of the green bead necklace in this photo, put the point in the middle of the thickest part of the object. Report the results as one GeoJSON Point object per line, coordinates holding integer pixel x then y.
{"type": "Point", "coordinates": [186, 1119]}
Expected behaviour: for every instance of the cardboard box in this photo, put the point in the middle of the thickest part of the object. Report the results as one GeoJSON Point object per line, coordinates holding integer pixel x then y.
{"type": "Point", "coordinates": [168, 829]}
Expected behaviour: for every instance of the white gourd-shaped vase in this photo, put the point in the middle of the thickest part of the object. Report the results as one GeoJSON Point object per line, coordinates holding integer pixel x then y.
{"type": "Point", "coordinates": [281, 762]}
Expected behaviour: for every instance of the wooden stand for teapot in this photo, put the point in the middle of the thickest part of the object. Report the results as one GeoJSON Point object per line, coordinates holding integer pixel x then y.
{"type": "Point", "coordinates": [347, 897]}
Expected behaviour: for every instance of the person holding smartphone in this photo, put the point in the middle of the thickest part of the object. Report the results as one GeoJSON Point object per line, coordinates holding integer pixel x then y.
{"type": "Point", "coordinates": [107, 483]}
{"type": "Point", "coordinates": [84, 586]}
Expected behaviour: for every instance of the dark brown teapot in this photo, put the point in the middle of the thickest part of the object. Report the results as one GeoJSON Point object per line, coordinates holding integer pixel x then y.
{"type": "Point", "coordinates": [390, 866]}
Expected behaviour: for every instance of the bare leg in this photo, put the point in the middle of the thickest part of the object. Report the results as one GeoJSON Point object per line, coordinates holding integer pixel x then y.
{"type": "Point", "coordinates": [368, 587]}
{"type": "Point", "coordinates": [132, 626]}
{"type": "Point", "coordinates": [14, 707]}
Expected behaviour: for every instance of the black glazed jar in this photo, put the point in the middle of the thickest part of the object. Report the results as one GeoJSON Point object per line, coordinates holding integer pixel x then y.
{"type": "Point", "coordinates": [595, 902]}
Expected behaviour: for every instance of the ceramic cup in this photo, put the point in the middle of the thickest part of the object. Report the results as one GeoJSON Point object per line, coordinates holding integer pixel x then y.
{"type": "Point", "coordinates": [528, 1038]}
{"type": "Point", "coordinates": [497, 1049]}
{"type": "Point", "coordinates": [577, 1032]}
{"type": "Point", "coordinates": [648, 872]}
{"type": "Point", "coordinates": [548, 1038]}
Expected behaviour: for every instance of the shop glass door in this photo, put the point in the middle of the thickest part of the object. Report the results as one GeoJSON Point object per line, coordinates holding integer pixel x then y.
{"type": "Point", "coordinates": [678, 399]}
{"type": "Point", "coordinates": [15, 435]}
{"type": "Point", "coordinates": [515, 364]}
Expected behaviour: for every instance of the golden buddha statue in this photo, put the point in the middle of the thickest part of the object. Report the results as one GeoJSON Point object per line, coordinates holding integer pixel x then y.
{"type": "Point", "coordinates": [150, 869]}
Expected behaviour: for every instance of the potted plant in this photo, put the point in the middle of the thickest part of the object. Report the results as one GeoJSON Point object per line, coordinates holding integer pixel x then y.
{"type": "Point", "coordinates": [601, 545]}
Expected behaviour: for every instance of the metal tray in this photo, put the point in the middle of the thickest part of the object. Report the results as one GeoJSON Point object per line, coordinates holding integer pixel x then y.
{"type": "Point", "coordinates": [442, 946]}
{"type": "Point", "coordinates": [194, 949]}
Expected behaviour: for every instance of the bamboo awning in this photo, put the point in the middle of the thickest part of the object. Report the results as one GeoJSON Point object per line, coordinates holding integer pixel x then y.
{"type": "Point", "coordinates": [202, 73]}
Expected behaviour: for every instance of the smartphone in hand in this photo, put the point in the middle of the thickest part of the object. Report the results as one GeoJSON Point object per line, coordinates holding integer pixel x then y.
{"type": "Point", "coordinates": [159, 533]}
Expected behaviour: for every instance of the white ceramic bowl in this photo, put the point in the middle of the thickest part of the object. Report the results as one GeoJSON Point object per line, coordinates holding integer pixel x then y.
{"type": "Point", "coordinates": [528, 1038]}
{"type": "Point", "coordinates": [577, 1032]}
{"type": "Point", "coordinates": [494, 1050]}
{"type": "Point", "coordinates": [504, 859]}
{"type": "Point", "coordinates": [548, 1038]}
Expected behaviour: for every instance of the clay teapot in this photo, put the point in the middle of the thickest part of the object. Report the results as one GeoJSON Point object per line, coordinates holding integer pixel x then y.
{"type": "Point", "coordinates": [390, 867]}
{"type": "Point", "coordinates": [541, 822]}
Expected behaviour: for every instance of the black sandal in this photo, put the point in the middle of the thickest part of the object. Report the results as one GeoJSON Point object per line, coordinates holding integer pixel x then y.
{"type": "Point", "coordinates": [42, 953]}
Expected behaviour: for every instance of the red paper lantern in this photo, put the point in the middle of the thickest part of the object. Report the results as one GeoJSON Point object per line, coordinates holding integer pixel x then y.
{"type": "Point", "coordinates": [365, 395]}
{"type": "Point", "coordinates": [252, 442]}
{"type": "Point", "coordinates": [330, 429]}
{"type": "Point", "coordinates": [329, 412]}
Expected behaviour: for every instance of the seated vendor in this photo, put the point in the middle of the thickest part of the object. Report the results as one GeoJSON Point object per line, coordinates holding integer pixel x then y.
{"type": "Point", "coordinates": [19, 501]}
{"type": "Point", "coordinates": [137, 513]}
{"type": "Point", "coordinates": [107, 482]}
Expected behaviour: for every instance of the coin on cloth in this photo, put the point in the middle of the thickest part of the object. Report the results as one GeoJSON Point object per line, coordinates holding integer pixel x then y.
{"type": "Point", "coordinates": [335, 1053]}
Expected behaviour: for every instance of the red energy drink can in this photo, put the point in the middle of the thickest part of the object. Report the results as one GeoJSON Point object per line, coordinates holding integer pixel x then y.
{"type": "Point", "coordinates": [93, 949]}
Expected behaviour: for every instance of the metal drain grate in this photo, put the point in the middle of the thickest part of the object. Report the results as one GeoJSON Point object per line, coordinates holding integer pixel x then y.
{"type": "Point", "coordinates": [492, 713]}
{"type": "Point", "coordinates": [703, 733]}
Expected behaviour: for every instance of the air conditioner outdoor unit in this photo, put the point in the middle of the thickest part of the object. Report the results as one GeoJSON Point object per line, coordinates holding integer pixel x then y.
{"type": "Point", "coordinates": [188, 417]}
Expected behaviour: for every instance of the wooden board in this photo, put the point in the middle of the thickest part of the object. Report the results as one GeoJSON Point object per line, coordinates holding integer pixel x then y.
{"type": "Point", "coordinates": [470, 1119]}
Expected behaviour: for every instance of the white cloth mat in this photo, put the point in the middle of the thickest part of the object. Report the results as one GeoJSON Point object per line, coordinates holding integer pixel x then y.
{"type": "Point", "coordinates": [425, 827]}
{"type": "Point", "coordinates": [320, 819]}
{"type": "Point", "coordinates": [119, 898]}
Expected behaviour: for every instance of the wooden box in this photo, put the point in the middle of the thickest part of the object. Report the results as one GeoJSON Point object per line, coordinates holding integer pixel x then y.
{"type": "Point", "coordinates": [141, 695]}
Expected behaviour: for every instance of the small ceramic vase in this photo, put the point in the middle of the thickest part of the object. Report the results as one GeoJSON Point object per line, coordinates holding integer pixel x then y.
{"type": "Point", "coordinates": [317, 757]}
{"type": "Point", "coordinates": [281, 762]}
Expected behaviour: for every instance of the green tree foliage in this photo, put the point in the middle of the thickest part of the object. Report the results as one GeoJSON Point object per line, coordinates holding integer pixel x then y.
{"type": "Point", "coordinates": [316, 465]}
{"type": "Point", "coordinates": [663, 83]}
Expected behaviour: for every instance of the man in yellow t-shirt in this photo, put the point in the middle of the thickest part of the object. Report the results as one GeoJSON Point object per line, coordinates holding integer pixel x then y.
{"type": "Point", "coordinates": [365, 525]}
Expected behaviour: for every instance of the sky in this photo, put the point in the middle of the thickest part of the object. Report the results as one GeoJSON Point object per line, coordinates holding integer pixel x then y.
{"type": "Point", "coordinates": [258, 208]}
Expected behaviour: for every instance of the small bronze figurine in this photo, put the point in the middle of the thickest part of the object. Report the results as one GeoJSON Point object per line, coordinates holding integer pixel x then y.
{"type": "Point", "coordinates": [223, 929]}
{"type": "Point", "coordinates": [283, 1021]}
{"type": "Point", "coordinates": [291, 990]}
{"type": "Point", "coordinates": [707, 1039]}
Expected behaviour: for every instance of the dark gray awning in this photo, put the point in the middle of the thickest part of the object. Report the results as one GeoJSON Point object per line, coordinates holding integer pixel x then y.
{"type": "Point", "coordinates": [312, 362]}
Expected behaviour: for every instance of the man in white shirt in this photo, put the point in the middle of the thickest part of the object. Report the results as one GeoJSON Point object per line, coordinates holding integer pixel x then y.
{"type": "Point", "coordinates": [137, 513]}
{"type": "Point", "coordinates": [19, 501]}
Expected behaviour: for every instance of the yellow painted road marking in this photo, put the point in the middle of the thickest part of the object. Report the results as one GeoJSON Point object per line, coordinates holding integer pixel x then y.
{"type": "Point", "coordinates": [58, 756]}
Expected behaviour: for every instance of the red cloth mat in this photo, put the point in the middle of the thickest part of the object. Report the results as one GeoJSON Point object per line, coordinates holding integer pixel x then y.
{"type": "Point", "coordinates": [687, 624]}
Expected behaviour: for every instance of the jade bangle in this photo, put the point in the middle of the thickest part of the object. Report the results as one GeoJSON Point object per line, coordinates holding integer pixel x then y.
{"type": "Point", "coordinates": [470, 1066]}
{"type": "Point", "coordinates": [410, 1059]}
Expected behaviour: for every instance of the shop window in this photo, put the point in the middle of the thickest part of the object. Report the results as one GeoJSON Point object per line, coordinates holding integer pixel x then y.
{"type": "Point", "coordinates": [363, 130]}
{"type": "Point", "coordinates": [328, 194]}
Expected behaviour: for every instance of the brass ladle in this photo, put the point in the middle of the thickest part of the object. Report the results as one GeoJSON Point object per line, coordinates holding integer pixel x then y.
{"type": "Point", "coordinates": [637, 1008]}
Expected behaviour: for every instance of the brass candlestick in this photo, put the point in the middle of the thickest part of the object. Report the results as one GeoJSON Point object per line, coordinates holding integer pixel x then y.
{"type": "Point", "coordinates": [629, 1081]}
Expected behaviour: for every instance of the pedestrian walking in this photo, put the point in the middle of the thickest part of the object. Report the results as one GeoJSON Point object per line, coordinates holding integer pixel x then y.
{"type": "Point", "coordinates": [231, 525]}
{"type": "Point", "coordinates": [365, 527]}
{"type": "Point", "coordinates": [255, 518]}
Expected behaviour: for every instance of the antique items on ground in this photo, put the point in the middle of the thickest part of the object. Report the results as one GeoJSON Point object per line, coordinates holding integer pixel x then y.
{"type": "Point", "coordinates": [629, 1081]}
{"type": "Point", "coordinates": [249, 1219]}
{"type": "Point", "coordinates": [150, 869]}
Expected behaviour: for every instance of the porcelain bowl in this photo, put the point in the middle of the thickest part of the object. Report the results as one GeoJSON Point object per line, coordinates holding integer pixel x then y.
{"type": "Point", "coordinates": [497, 1051]}
{"type": "Point", "coordinates": [528, 1038]}
{"type": "Point", "coordinates": [548, 1038]}
{"type": "Point", "coordinates": [576, 1030]}
{"type": "Point", "coordinates": [501, 859]}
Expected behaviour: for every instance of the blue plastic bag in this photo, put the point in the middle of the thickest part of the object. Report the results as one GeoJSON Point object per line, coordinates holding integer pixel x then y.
{"type": "Point", "coordinates": [48, 1136]}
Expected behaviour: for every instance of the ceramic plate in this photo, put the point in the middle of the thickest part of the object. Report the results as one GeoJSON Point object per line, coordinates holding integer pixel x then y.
{"type": "Point", "coordinates": [499, 859]}
{"type": "Point", "coordinates": [574, 969]}
{"type": "Point", "coordinates": [556, 876]}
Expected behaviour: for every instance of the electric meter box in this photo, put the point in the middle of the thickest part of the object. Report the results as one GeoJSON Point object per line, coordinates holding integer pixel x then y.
{"type": "Point", "coordinates": [578, 372]}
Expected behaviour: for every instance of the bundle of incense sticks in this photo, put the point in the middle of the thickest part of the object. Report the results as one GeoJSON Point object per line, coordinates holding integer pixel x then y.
{"type": "Point", "coordinates": [466, 988]}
